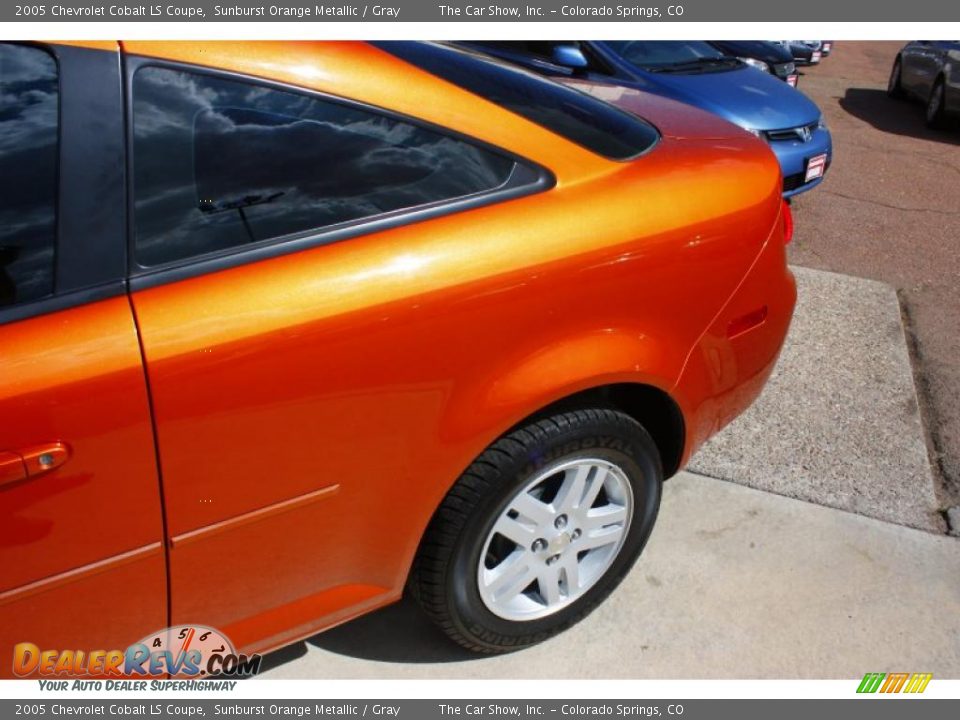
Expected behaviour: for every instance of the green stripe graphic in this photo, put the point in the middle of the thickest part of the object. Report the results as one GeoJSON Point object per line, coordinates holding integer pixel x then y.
{"type": "Point", "coordinates": [871, 682]}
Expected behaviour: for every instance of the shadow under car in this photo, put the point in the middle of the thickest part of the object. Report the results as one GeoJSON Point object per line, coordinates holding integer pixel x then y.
{"type": "Point", "coordinates": [898, 117]}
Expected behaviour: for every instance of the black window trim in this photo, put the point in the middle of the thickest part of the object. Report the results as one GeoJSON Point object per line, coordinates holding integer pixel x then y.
{"type": "Point", "coordinates": [90, 245]}
{"type": "Point", "coordinates": [527, 178]}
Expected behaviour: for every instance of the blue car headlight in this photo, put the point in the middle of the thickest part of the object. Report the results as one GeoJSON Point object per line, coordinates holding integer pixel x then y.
{"type": "Point", "coordinates": [753, 62]}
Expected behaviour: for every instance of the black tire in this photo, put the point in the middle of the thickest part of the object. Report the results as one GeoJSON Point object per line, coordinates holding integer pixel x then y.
{"type": "Point", "coordinates": [444, 577]}
{"type": "Point", "coordinates": [894, 85]}
{"type": "Point", "coordinates": [937, 116]}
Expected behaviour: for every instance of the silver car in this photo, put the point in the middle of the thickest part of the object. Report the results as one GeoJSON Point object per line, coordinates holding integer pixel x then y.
{"type": "Point", "coordinates": [929, 70]}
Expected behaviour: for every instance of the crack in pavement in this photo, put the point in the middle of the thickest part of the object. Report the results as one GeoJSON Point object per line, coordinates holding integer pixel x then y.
{"type": "Point", "coordinates": [888, 205]}
{"type": "Point", "coordinates": [932, 159]}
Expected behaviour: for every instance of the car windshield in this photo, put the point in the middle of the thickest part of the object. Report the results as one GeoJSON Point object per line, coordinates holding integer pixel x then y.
{"type": "Point", "coordinates": [660, 55]}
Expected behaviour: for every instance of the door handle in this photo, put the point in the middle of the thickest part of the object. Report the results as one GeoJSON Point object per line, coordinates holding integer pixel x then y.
{"type": "Point", "coordinates": [11, 468]}
{"type": "Point", "coordinates": [32, 461]}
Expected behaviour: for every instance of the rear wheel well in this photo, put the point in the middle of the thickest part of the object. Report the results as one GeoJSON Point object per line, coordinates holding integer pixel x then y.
{"type": "Point", "coordinates": [649, 406]}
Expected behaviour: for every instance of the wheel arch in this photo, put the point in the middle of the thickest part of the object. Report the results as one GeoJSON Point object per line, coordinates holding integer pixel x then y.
{"type": "Point", "coordinates": [652, 407]}
{"type": "Point", "coordinates": [625, 369]}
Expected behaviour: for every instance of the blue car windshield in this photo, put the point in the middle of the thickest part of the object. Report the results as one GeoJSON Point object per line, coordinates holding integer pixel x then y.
{"type": "Point", "coordinates": [574, 115]}
{"type": "Point", "coordinates": [668, 55]}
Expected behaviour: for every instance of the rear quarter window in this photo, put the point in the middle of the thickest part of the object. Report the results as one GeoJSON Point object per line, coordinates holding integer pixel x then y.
{"type": "Point", "coordinates": [223, 163]}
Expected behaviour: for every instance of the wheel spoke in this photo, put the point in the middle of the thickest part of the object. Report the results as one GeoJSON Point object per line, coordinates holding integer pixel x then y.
{"type": "Point", "coordinates": [571, 491]}
{"type": "Point", "coordinates": [511, 577]}
{"type": "Point", "coordinates": [515, 531]}
{"type": "Point", "coordinates": [570, 573]}
{"type": "Point", "coordinates": [531, 508]}
{"type": "Point", "coordinates": [600, 538]}
{"type": "Point", "coordinates": [602, 516]}
{"type": "Point", "coordinates": [549, 582]}
{"type": "Point", "coordinates": [593, 488]}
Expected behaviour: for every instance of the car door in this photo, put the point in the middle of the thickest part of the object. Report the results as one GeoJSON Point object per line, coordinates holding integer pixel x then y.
{"type": "Point", "coordinates": [81, 535]}
{"type": "Point", "coordinates": [291, 394]}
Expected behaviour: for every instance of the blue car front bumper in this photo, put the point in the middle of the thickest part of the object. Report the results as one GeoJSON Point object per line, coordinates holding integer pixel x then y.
{"type": "Point", "coordinates": [794, 156]}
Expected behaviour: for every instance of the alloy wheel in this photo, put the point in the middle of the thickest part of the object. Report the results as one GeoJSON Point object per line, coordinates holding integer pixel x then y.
{"type": "Point", "coordinates": [555, 539]}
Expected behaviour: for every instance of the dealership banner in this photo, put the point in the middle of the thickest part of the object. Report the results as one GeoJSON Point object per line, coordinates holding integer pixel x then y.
{"type": "Point", "coordinates": [486, 709]}
{"type": "Point", "coordinates": [480, 11]}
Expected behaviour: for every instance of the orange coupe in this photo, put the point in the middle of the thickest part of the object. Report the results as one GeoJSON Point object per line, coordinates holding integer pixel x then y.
{"type": "Point", "coordinates": [287, 328]}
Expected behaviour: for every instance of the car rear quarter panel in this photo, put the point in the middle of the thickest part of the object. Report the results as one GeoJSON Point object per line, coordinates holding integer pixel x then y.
{"type": "Point", "coordinates": [727, 369]}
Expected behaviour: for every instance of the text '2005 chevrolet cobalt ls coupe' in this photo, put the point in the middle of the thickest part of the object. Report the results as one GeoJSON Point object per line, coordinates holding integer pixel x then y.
{"type": "Point", "coordinates": [287, 328]}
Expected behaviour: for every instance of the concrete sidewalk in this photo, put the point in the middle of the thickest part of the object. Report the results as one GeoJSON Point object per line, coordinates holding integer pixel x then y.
{"type": "Point", "coordinates": [735, 583]}
{"type": "Point", "coordinates": [838, 424]}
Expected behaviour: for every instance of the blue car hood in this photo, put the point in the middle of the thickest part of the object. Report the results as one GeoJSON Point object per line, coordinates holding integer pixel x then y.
{"type": "Point", "coordinates": [745, 96]}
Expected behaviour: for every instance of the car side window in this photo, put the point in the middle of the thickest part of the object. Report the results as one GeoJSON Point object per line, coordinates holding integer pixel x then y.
{"type": "Point", "coordinates": [221, 163]}
{"type": "Point", "coordinates": [29, 130]}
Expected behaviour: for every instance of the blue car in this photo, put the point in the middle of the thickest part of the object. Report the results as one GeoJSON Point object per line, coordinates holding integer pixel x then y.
{"type": "Point", "coordinates": [697, 74]}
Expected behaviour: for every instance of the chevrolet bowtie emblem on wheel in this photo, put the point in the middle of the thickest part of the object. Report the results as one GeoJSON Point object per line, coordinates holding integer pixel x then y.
{"type": "Point", "coordinates": [804, 134]}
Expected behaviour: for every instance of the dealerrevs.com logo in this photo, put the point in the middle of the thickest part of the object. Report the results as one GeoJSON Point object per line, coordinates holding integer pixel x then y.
{"type": "Point", "coordinates": [183, 651]}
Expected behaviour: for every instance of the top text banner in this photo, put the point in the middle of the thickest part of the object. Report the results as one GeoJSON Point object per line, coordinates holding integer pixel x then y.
{"type": "Point", "coordinates": [480, 11]}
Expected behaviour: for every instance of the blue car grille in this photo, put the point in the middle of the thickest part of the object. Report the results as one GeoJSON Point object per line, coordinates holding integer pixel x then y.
{"type": "Point", "coordinates": [801, 132]}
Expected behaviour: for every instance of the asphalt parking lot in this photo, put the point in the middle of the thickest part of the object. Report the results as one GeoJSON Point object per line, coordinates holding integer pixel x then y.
{"type": "Point", "coordinates": [809, 539]}
{"type": "Point", "coordinates": [889, 210]}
